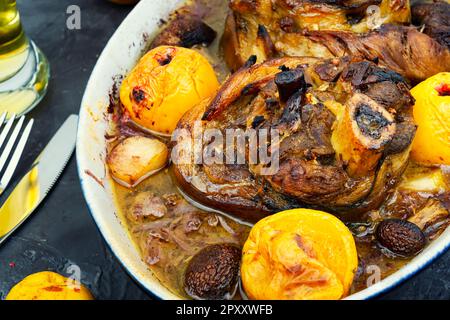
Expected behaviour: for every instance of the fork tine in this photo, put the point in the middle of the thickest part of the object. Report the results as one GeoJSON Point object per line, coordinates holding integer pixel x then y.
{"type": "Point", "coordinates": [6, 129]}
{"type": "Point", "coordinates": [3, 117]}
{"type": "Point", "coordinates": [16, 156]}
{"type": "Point", "coordinates": [10, 144]}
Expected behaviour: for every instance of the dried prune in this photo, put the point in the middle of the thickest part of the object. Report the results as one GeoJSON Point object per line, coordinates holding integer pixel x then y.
{"type": "Point", "coordinates": [213, 272]}
{"type": "Point", "coordinates": [401, 237]}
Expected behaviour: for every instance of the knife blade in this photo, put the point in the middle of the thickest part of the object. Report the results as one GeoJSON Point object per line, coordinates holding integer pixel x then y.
{"type": "Point", "coordinates": [40, 178]}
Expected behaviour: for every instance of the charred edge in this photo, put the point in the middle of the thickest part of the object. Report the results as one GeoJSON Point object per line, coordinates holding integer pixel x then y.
{"type": "Point", "coordinates": [114, 94]}
{"type": "Point", "coordinates": [257, 121]}
{"type": "Point", "coordinates": [292, 111]}
{"type": "Point", "coordinates": [271, 104]}
{"type": "Point", "coordinates": [370, 122]}
{"type": "Point", "coordinates": [164, 59]}
{"type": "Point", "coordinates": [185, 32]}
{"type": "Point", "coordinates": [364, 73]}
{"type": "Point", "coordinates": [201, 33]}
{"type": "Point", "coordinates": [251, 88]}
{"type": "Point", "coordinates": [138, 94]}
{"type": "Point", "coordinates": [111, 105]}
{"type": "Point", "coordinates": [388, 75]}
{"type": "Point", "coordinates": [250, 62]}
{"type": "Point", "coordinates": [355, 18]}
{"type": "Point", "coordinates": [262, 32]}
{"type": "Point", "coordinates": [289, 82]}
{"type": "Point", "coordinates": [206, 115]}
{"type": "Point", "coordinates": [264, 36]}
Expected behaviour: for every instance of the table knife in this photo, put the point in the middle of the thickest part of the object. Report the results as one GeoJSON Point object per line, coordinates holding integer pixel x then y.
{"type": "Point", "coordinates": [40, 178]}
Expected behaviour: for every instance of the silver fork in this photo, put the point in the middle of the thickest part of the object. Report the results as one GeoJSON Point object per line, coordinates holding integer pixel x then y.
{"type": "Point", "coordinates": [17, 153]}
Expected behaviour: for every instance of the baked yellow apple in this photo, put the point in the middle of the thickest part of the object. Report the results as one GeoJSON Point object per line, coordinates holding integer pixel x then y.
{"type": "Point", "coordinates": [48, 285]}
{"type": "Point", "coordinates": [299, 254]}
{"type": "Point", "coordinates": [167, 82]}
{"type": "Point", "coordinates": [431, 144]}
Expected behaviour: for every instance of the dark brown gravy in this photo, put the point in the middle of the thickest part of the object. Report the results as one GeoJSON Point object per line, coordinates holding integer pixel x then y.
{"type": "Point", "coordinates": [167, 243]}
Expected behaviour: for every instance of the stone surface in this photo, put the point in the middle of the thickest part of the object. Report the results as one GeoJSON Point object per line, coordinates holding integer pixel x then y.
{"type": "Point", "coordinates": [61, 233]}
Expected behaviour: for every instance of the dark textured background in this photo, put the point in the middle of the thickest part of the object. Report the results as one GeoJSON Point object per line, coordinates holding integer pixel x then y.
{"type": "Point", "coordinates": [61, 232]}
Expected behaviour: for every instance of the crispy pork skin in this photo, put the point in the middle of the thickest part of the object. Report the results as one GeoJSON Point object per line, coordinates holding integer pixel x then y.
{"type": "Point", "coordinates": [351, 15]}
{"type": "Point", "coordinates": [329, 29]}
{"type": "Point", "coordinates": [344, 128]}
{"type": "Point", "coordinates": [406, 50]}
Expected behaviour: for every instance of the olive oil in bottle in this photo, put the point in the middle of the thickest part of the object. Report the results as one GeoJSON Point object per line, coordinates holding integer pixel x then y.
{"type": "Point", "coordinates": [13, 42]}
{"type": "Point", "coordinates": [24, 70]}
